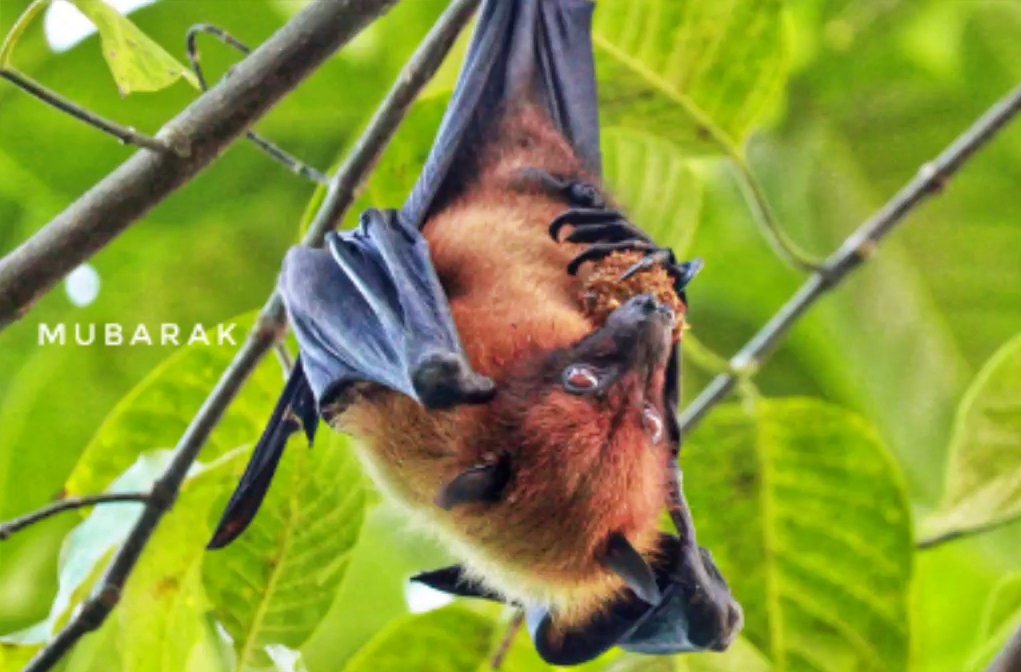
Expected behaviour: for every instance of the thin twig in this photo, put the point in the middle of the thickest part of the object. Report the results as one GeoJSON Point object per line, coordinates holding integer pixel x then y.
{"type": "Point", "coordinates": [125, 134]}
{"type": "Point", "coordinates": [268, 330]}
{"type": "Point", "coordinates": [344, 185]}
{"type": "Point", "coordinates": [508, 639]}
{"type": "Point", "coordinates": [276, 153]}
{"type": "Point", "coordinates": [1009, 658]}
{"type": "Point", "coordinates": [284, 357]}
{"type": "Point", "coordinates": [205, 129]}
{"type": "Point", "coordinates": [781, 243]}
{"type": "Point", "coordinates": [926, 543]}
{"type": "Point", "coordinates": [9, 528]}
{"type": "Point", "coordinates": [859, 246]}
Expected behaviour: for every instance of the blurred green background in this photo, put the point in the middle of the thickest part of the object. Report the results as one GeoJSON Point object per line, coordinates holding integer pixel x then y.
{"type": "Point", "coordinates": [864, 92]}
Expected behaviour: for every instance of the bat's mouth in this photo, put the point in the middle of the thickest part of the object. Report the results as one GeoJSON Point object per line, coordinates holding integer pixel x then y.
{"type": "Point", "coordinates": [642, 330]}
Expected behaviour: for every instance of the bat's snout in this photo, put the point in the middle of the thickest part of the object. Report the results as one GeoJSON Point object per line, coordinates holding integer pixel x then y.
{"type": "Point", "coordinates": [642, 328]}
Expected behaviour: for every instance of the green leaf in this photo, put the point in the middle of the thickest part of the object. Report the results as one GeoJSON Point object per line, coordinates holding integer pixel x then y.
{"type": "Point", "coordinates": [807, 517]}
{"type": "Point", "coordinates": [451, 639]}
{"type": "Point", "coordinates": [89, 547]}
{"type": "Point", "coordinates": [374, 591]}
{"type": "Point", "coordinates": [660, 187]}
{"type": "Point", "coordinates": [137, 63]}
{"type": "Point", "coordinates": [156, 413]}
{"type": "Point", "coordinates": [703, 74]}
{"type": "Point", "coordinates": [984, 470]}
{"type": "Point", "coordinates": [1002, 618]}
{"type": "Point", "coordinates": [161, 612]}
{"type": "Point", "coordinates": [275, 583]}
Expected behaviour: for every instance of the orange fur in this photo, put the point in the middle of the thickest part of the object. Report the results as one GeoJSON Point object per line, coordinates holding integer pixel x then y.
{"type": "Point", "coordinates": [580, 471]}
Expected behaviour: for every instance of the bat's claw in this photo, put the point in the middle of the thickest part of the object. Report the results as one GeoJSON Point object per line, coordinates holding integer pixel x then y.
{"type": "Point", "coordinates": [592, 220]}
{"type": "Point", "coordinates": [602, 250]}
{"type": "Point", "coordinates": [442, 380]}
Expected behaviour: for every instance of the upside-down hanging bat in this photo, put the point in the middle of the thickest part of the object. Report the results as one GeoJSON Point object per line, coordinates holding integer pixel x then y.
{"type": "Point", "coordinates": [512, 386]}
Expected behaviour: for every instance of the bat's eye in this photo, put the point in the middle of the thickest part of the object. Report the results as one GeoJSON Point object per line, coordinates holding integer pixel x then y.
{"type": "Point", "coordinates": [580, 378]}
{"type": "Point", "coordinates": [653, 423]}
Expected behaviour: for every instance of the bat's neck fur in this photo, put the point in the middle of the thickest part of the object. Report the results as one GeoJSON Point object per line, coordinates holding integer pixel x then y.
{"type": "Point", "coordinates": [577, 478]}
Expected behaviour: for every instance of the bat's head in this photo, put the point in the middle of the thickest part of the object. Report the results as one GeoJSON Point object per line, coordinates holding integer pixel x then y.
{"type": "Point", "coordinates": [586, 448]}
{"type": "Point", "coordinates": [611, 379]}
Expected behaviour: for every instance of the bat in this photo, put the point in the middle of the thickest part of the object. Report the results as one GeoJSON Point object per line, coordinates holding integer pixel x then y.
{"type": "Point", "coordinates": [505, 348]}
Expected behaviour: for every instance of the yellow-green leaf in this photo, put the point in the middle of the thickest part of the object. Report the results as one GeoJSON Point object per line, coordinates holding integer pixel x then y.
{"type": "Point", "coordinates": [984, 470]}
{"type": "Point", "coordinates": [703, 74]}
{"type": "Point", "coordinates": [277, 581]}
{"type": "Point", "coordinates": [451, 639]}
{"type": "Point", "coordinates": [155, 414]}
{"type": "Point", "coordinates": [658, 185]}
{"type": "Point", "coordinates": [137, 63]}
{"type": "Point", "coordinates": [806, 514]}
{"type": "Point", "coordinates": [161, 612]}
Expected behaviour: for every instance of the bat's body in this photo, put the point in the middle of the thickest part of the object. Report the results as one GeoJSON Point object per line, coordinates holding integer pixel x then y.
{"type": "Point", "coordinates": [580, 473]}
{"type": "Point", "coordinates": [513, 388]}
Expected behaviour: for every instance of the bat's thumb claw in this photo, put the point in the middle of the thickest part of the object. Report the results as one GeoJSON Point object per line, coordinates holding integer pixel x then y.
{"type": "Point", "coordinates": [443, 380]}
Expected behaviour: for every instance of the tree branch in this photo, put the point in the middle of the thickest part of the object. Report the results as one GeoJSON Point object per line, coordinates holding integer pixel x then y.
{"type": "Point", "coordinates": [275, 153]}
{"type": "Point", "coordinates": [202, 132]}
{"type": "Point", "coordinates": [268, 330]}
{"type": "Point", "coordinates": [858, 247]}
{"type": "Point", "coordinates": [125, 134]}
{"type": "Point", "coordinates": [498, 659]}
{"type": "Point", "coordinates": [8, 529]}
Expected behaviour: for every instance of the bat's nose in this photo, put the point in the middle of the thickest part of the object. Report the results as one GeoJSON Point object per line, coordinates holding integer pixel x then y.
{"type": "Point", "coordinates": [648, 306]}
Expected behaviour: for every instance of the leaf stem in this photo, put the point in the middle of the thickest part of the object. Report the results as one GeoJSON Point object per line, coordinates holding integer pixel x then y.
{"type": "Point", "coordinates": [931, 179]}
{"type": "Point", "coordinates": [763, 213]}
{"type": "Point", "coordinates": [932, 541]}
{"type": "Point", "coordinates": [508, 639]}
{"type": "Point", "coordinates": [18, 29]}
{"type": "Point", "coordinates": [125, 134]}
{"type": "Point", "coordinates": [276, 153]}
{"type": "Point", "coordinates": [8, 529]}
{"type": "Point", "coordinates": [700, 355]}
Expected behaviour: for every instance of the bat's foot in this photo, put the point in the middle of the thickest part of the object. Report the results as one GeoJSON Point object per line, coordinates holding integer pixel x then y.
{"type": "Point", "coordinates": [443, 380]}
{"type": "Point", "coordinates": [608, 231]}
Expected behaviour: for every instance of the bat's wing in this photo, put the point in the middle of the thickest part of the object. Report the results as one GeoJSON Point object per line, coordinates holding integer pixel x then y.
{"type": "Point", "coordinates": [697, 612]}
{"type": "Point", "coordinates": [367, 309]}
{"type": "Point", "coordinates": [540, 49]}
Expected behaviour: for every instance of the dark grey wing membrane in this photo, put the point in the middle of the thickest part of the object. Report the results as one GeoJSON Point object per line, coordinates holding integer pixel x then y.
{"type": "Point", "coordinates": [697, 611]}
{"type": "Point", "coordinates": [296, 410]}
{"type": "Point", "coordinates": [368, 309]}
{"type": "Point", "coordinates": [521, 48]}
{"type": "Point", "coordinates": [371, 309]}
